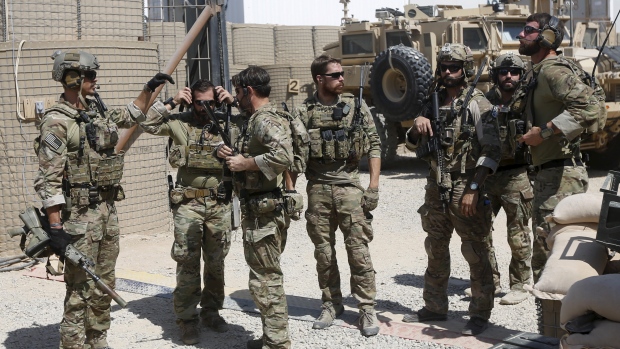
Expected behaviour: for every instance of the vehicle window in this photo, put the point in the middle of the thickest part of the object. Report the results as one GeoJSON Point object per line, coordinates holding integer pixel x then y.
{"type": "Point", "coordinates": [397, 38]}
{"type": "Point", "coordinates": [474, 38]}
{"type": "Point", "coordinates": [590, 39]}
{"type": "Point", "coordinates": [510, 32]}
{"type": "Point", "coordinates": [357, 43]}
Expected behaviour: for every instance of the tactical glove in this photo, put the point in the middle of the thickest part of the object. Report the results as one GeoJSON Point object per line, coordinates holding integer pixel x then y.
{"type": "Point", "coordinates": [158, 79]}
{"type": "Point", "coordinates": [59, 239]}
{"type": "Point", "coordinates": [370, 200]}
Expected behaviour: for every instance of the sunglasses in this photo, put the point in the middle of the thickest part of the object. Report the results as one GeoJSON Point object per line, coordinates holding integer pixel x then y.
{"type": "Point", "coordinates": [90, 74]}
{"type": "Point", "coordinates": [528, 29]}
{"type": "Point", "coordinates": [453, 68]}
{"type": "Point", "coordinates": [512, 71]}
{"type": "Point", "coordinates": [210, 102]}
{"type": "Point", "coordinates": [335, 75]}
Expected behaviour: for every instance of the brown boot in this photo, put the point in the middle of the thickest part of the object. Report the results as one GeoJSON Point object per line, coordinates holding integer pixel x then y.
{"type": "Point", "coordinates": [329, 313]}
{"type": "Point", "coordinates": [214, 321]}
{"type": "Point", "coordinates": [190, 333]}
{"type": "Point", "coordinates": [255, 343]}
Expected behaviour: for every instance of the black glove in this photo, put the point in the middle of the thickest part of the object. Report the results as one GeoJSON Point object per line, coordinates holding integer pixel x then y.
{"type": "Point", "coordinates": [59, 239]}
{"type": "Point", "coordinates": [158, 79]}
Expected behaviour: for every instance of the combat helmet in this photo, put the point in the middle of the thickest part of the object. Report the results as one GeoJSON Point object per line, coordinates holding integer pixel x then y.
{"type": "Point", "coordinates": [72, 60]}
{"type": "Point", "coordinates": [507, 60]}
{"type": "Point", "coordinates": [458, 53]}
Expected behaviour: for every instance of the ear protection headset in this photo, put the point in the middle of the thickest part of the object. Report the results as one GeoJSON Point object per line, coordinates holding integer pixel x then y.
{"type": "Point", "coordinates": [550, 36]}
{"type": "Point", "coordinates": [72, 79]}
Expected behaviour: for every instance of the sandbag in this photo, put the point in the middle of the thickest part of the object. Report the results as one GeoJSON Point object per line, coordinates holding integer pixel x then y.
{"type": "Point", "coordinates": [575, 256]}
{"type": "Point", "coordinates": [579, 208]}
{"type": "Point", "coordinates": [600, 294]}
{"type": "Point", "coordinates": [606, 335]}
{"type": "Point", "coordinates": [587, 229]}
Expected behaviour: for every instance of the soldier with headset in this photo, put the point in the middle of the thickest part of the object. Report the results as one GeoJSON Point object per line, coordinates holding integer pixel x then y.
{"type": "Point", "coordinates": [465, 150]}
{"type": "Point", "coordinates": [558, 107]}
{"type": "Point", "coordinates": [79, 181]}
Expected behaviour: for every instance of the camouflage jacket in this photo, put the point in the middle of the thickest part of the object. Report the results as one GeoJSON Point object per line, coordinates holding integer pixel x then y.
{"type": "Point", "coordinates": [185, 128]}
{"type": "Point", "coordinates": [557, 94]}
{"type": "Point", "coordinates": [316, 118]}
{"type": "Point", "coordinates": [60, 141]}
{"type": "Point", "coordinates": [507, 117]}
{"type": "Point", "coordinates": [482, 148]}
{"type": "Point", "coordinates": [265, 136]}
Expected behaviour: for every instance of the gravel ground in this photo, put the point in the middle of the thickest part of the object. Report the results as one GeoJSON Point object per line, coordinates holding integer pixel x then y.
{"type": "Point", "coordinates": [32, 308]}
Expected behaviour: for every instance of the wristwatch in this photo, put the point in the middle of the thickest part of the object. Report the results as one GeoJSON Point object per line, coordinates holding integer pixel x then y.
{"type": "Point", "coordinates": [545, 132]}
{"type": "Point", "coordinates": [474, 186]}
{"type": "Point", "coordinates": [171, 102]}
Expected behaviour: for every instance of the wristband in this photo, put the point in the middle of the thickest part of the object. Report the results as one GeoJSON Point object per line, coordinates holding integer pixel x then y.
{"type": "Point", "coordinates": [55, 225]}
{"type": "Point", "coordinates": [171, 102]}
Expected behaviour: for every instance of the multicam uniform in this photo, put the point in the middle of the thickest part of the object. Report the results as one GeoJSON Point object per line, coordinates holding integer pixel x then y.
{"type": "Point", "coordinates": [81, 172]}
{"type": "Point", "coordinates": [557, 94]}
{"type": "Point", "coordinates": [202, 220]}
{"type": "Point", "coordinates": [335, 194]}
{"type": "Point", "coordinates": [462, 157]}
{"type": "Point", "coordinates": [266, 137]}
{"type": "Point", "coordinates": [510, 188]}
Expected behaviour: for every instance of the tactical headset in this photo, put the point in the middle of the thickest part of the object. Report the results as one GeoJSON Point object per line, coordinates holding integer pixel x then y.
{"type": "Point", "coordinates": [550, 36]}
{"type": "Point", "coordinates": [72, 79]}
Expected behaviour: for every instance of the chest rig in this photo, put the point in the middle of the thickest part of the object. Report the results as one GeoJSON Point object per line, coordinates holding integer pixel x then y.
{"type": "Point", "coordinates": [197, 155]}
{"type": "Point", "coordinates": [511, 127]}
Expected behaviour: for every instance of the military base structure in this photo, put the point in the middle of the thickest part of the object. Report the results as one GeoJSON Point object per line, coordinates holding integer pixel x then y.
{"type": "Point", "coordinates": [132, 41]}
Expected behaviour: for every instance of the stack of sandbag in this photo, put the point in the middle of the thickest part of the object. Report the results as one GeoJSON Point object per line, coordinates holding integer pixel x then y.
{"type": "Point", "coordinates": [574, 254]}
{"type": "Point", "coordinates": [591, 313]}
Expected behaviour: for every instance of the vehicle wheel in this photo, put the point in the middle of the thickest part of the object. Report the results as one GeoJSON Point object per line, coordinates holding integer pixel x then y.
{"type": "Point", "coordinates": [399, 80]}
{"type": "Point", "coordinates": [607, 159]}
{"type": "Point", "coordinates": [388, 133]}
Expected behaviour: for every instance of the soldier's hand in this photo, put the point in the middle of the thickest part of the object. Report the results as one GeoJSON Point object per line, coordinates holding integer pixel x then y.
{"type": "Point", "coordinates": [370, 200]}
{"type": "Point", "coordinates": [468, 202]}
{"type": "Point", "coordinates": [183, 96]}
{"type": "Point", "coordinates": [532, 137]}
{"type": "Point", "coordinates": [423, 126]}
{"type": "Point", "coordinates": [159, 79]}
{"type": "Point", "coordinates": [223, 96]}
{"type": "Point", "coordinates": [238, 163]}
{"type": "Point", "coordinates": [224, 151]}
{"type": "Point", "coordinates": [59, 240]}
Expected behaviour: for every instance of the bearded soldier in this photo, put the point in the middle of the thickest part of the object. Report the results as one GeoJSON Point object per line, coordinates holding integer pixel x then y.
{"type": "Point", "coordinates": [79, 181]}
{"type": "Point", "coordinates": [201, 210]}
{"type": "Point", "coordinates": [341, 132]}
{"type": "Point", "coordinates": [464, 151]}
{"type": "Point", "coordinates": [265, 152]}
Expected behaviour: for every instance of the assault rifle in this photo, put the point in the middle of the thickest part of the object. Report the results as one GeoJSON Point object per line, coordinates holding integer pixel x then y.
{"type": "Point", "coordinates": [357, 133]}
{"type": "Point", "coordinates": [37, 226]}
{"type": "Point", "coordinates": [100, 105]}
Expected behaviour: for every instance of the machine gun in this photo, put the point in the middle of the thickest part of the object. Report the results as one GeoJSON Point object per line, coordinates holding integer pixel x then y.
{"type": "Point", "coordinates": [36, 226]}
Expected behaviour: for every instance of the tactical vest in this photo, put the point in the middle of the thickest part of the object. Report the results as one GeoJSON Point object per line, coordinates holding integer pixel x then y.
{"type": "Point", "coordinates": [198, 154]}
{"type": "Point", "coordinates": [331, 131]}
{"type": "Point", "coordinates": [301, 141]}
{"type": "Point", "coordinates": [512, 125]}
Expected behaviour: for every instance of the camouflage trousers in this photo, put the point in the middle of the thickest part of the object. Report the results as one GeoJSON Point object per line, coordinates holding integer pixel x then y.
{"type": "Point", "coordinates": [474, 232]}
{"type": "Point", "coordinates": [264, 239]}
{"type": "Point", "coordinates": [512, 191]}
{"type": "Point", "coordinates": [201, 228]}
{"type": "Point", "coordinates": [331, 206]}
{"type": "Point", "coordinates": [551, 185]}
{"type": "Point", "coordinates": [86, 316]}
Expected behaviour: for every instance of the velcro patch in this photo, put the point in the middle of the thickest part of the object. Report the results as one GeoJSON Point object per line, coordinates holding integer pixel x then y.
{"type": "Point", "coordinates": [52, 141]}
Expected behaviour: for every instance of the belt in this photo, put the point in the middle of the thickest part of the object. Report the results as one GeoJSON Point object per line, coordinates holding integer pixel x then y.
{"type": "Point", "coordinates": [200, 193]}
{"type": "Point", "coordinates": [560, 163]}
{"type": "Point", "coordinates": [510, 167]}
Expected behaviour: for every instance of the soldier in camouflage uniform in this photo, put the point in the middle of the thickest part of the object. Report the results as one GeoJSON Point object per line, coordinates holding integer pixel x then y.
{"type": "Point", "coordinates": [469, 150]}
{"type": "Point", "coordinates": [510, 187]}
{"type": "Point", "coordinates": [339, 137]}
{"type": "Point", "coordinates": [201, 212]}
{"type": "Point", "coordinates": [265, 152]}
{"type": "Point", "coordinates": [559, 106]}
{"type": "Point", "coordinates": [78, 135]}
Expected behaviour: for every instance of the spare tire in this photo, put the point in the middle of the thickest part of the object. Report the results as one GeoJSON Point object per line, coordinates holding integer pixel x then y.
{"type": "Point", "coordinates": [399, 79]}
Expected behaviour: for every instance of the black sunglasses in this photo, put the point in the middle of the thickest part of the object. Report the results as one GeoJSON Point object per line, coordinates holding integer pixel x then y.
{"type": "Point", "coordinates": [335, 75]}
{"type": "Point", "coordinates": [528, 29]}
{"type": "Point", "coordinates": [453, 68]}
{"type": "Point", "coordinates": [90, 74]}
{"type": "Point", "coordinates": [512, 71]}
{"type": "Point", "coordinates": [210, 102]}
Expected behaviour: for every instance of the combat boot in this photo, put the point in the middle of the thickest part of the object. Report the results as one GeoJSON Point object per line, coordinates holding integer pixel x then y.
{"type": "Point", "coordinates": [329, 313]}
{"type": "Point", "coordinates": [255, 343]}
{"type": "Point", "coordinates": [498, 290]}
{"type": "Point", "coordinates": [190, 333]}
{"type": "Point", "coordinates": [214, 321]}
{"type": "Point", "coordinates": [368, 322]}
{"type": "Point", "coordinates": [424, 315]}
{"type": "Point", "coordinates": [97, 339]}
{"type": "Point", "coordinates": [475, 326]}
{"type": "Point", "coordinates": [514, 297]}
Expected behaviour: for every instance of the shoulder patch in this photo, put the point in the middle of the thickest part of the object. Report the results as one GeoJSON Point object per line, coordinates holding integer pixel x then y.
{"type": "Point", "coordinates": [53, 142]}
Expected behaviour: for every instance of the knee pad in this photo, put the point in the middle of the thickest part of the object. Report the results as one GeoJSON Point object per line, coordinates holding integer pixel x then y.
{"type": "Point", "coordinates": [323, 254]}
{"type": "Point", "coordinates": [359, 258]}
{"type": "Point", "coordinates": [473, 251]}
{"type": "Point", "coordinates": [434, 247]}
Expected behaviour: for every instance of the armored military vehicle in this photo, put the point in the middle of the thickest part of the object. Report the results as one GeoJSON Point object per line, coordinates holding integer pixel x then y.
{"type": "Point", "coordinates": [402, 46]}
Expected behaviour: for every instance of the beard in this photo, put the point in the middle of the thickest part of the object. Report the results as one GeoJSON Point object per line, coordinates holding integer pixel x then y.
{"type": "Point", "coordinates": [508, 86]}
{"type": "Point", "coordinates": [453, 82]}
{"type": "Point", "coordinates": [529, 48]}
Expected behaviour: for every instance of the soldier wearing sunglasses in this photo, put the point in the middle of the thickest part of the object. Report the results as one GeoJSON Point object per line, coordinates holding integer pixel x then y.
{"type": "Point", "coordinates": [470, 151]}
{"type": "Point", "coordinates": [559, 107]}
{"type": "Point", "coordinates": [510, 188]}
{"type": "Point", "coordinates": [202, 216]}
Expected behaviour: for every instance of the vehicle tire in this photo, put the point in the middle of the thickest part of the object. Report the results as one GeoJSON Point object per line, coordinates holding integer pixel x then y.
{"type": "Point", "coordinates": [607, 159]}
{"type": "Point", "coordinates": [399, 93]}
{"type": "Point", "coordinates": [388, 133]}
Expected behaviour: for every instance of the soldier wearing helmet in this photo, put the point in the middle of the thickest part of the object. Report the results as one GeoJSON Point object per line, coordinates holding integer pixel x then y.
{"type": "Point", "coordinates": [79, 181]}
{"type": "Point", "coordinates": [509, 188]}
{"type": "Point", "coordinates": [461, 143]}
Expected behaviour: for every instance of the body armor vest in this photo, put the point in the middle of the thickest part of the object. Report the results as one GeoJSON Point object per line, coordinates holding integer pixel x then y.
{"type": "Point", "coordinates": [511, 127]}
{"type": "Point", "coordinates": [198, 154]}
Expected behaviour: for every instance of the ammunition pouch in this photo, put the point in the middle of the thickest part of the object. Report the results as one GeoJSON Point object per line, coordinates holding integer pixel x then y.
{"type": "Point", "coordinates": [179, 195]}
{"type": "Point", "coordinates": [105, 134]}
{"type": "Point", "coordinates": [329, 145]}
{"type": "Point", "coordinates": [195, 156]}
{"type": "Point", "coordinates": [105, 171]}
{"type": "Point", "coordinates": [88, 195]}
{"type": "Point", "coordinates": [252, 180]}
{"type": "Point", "coordinates": [261, 203]}
{"type": "Point", "coordinates": [293, 203]}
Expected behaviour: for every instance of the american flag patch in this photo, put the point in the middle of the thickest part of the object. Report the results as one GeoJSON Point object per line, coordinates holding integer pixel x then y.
{"type": "Point", "coordinates": [52, 141]}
